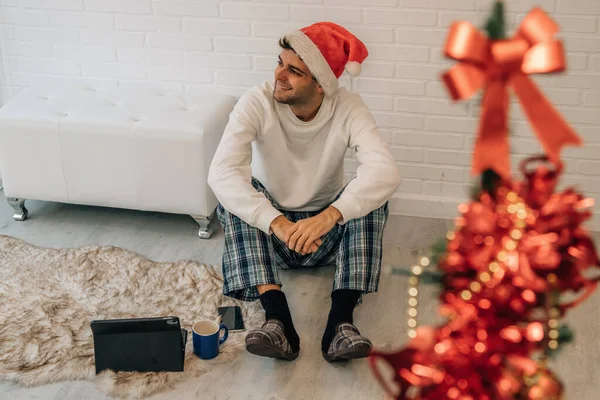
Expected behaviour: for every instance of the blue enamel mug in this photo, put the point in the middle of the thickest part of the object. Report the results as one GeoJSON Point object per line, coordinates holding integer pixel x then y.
{"type": "Point", "coordinates": [207, 338]}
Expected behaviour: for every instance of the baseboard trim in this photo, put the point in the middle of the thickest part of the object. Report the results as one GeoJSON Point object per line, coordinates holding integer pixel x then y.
{"type": "Point", "coordinates": [428, 206]}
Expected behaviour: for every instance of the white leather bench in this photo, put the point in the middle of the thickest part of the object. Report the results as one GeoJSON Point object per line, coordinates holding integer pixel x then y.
{"type": "Point", "coordinates": [141, 149]}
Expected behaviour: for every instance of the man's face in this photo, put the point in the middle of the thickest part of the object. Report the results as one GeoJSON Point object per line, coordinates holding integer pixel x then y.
{"type": "Point", "coordinates": [294, 84]}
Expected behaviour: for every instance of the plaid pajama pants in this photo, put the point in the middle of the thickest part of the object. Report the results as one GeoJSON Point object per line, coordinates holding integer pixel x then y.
{"type": "Point", "coordinates": [251, 257]}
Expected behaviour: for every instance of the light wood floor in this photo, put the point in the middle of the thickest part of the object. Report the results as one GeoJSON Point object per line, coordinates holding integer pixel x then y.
{"type": "Point", "coordinates": [381, 317]}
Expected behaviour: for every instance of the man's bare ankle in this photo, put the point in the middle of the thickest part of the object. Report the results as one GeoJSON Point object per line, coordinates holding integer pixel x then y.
{"type": "Point", "coordinates": [266, 288]}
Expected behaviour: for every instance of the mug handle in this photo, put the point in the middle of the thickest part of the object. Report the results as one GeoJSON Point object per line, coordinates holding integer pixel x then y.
{"type": "Point", "coordinates": [225, 335]}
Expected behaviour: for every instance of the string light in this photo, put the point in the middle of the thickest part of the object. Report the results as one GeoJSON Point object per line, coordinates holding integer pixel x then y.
{"type": "Point", "coordinates": [553, 328]}
{"type": "Point", "coordinates": [553, 314]}
{"type": "Point", "coordinates": [413, 292]}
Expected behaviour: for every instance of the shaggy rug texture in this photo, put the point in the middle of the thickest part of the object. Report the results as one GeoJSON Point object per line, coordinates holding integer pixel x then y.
{"type": "Point", "coordinates": [49, 296]}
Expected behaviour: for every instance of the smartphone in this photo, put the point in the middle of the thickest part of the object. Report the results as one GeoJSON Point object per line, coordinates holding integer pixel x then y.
{"type": "Point", "coordinates": [231, 316]}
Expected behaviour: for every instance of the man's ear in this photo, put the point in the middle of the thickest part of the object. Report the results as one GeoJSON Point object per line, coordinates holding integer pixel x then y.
{"type": "Point", "coordinates": [320, 89]}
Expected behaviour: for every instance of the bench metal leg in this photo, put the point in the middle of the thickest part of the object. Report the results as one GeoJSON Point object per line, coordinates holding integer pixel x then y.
{"type": "Point", "coordinates": [21, 212]}
{"type": "Point", "coordinates": [205, 231]}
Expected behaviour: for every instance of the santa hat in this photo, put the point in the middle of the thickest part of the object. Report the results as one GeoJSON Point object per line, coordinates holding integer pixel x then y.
{"type": "Point", "coordinates": [327, 49]}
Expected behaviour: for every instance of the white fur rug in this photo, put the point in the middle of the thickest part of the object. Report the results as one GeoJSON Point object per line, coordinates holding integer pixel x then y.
{"type": "Point", "coordinates": [49, 296]}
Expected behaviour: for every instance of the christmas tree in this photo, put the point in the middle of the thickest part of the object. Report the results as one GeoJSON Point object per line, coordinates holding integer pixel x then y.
{"type": "Point", "coordinates": [517, 248]}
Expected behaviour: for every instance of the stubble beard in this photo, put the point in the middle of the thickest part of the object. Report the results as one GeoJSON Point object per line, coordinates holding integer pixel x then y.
{"type": "Point", "coordinates": [292, 99]}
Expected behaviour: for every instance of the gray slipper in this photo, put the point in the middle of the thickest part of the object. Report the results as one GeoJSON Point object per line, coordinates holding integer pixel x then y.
{"type": "Point", "coordinates": [348, 344]}
{"type": "Point", "coordinates": [269, 341]}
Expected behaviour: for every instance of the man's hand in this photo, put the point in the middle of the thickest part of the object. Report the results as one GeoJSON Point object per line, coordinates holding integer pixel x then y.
{"type": "Point", "coordinates": [281, 227]}
{"type": "Point", "coordinates": [304, 233]}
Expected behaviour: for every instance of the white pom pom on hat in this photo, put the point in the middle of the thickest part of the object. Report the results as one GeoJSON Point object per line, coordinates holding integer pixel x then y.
{"type": "Point", "coordinates": [328, 49]}
{"type": "Point", "coordinates": [353, 68]}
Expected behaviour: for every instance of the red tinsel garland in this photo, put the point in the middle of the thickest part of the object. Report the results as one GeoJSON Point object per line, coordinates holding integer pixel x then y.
{"type": "Point", "coordinates": [514, 252]}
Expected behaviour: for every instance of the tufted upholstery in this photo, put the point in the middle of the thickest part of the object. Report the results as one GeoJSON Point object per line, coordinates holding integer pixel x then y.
{"type": "Point", "coordinates": [140, 149]}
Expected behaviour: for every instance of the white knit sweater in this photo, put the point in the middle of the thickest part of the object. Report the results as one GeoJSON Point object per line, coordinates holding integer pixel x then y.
{"type": "Point", "coordinates": [301, 164]}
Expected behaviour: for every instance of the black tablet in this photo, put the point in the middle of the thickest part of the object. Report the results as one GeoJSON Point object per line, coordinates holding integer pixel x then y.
{"type": "Point", "coordinates": [139, 344]}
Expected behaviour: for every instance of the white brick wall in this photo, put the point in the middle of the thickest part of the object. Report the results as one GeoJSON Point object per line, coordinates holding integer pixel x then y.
{"type": "Point", "coordinates": [231, 45]}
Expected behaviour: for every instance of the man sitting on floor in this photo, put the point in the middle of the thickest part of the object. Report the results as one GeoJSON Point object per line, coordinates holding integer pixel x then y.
{"type": "Point", "coordinates": [278, 175]}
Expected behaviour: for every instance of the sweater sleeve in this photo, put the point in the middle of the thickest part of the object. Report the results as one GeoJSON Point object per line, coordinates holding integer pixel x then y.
{"type": "Point", "coordinates": [377, 175]}
{"type": "Point", "coordinates": [230, 173]}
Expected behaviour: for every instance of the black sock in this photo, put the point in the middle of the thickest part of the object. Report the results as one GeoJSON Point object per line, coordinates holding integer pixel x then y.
{"type": "Point", "coordinates": [343, 302]}
{"type": "Point", "coordinates": [276, 307]}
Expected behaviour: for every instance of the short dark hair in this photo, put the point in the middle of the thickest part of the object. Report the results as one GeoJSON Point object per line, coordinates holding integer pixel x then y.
{"type": "Point", "coordinates": [285, 44]}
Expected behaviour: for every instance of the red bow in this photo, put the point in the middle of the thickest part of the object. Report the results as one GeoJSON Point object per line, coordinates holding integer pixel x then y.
{"type": "Point", "coordinates": [498, 65]}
